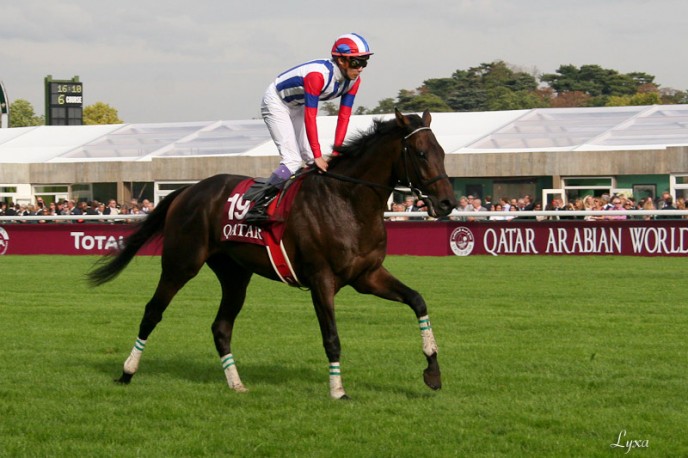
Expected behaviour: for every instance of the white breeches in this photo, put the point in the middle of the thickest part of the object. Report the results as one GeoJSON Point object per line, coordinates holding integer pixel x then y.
{"type": "Point", "coordinates": [287, 128]}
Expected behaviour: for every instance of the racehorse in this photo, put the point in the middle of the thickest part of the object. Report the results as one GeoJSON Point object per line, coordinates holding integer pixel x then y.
{"type": "Point", "coordinates": [334, 236]}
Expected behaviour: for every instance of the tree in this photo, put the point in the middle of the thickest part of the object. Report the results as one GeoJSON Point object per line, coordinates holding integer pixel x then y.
{"type": "Point", "coordinates": [570, 99]}
{"type": "Point", "coordinates": [638, 99]}
{"type": "Point", "coordinates": [22, 114]}
{"type": "Point", "coordinates": [487, 87]}
{"type": "Point", "coordinates": [420, 101]}
{"type": "Point", "coordinates": [384, 106]}
{"type": "Point", "coordinates": [329, 109]}
{"type": "Point", "coordinates": [101, 113]}
{"type": "Point", "coordinates": [671, 96]}
{"type": "Point", "coordinates": [502, 98]}
{"type": "Point", "coordinates": [500, 86]}
{"type": "Point", "coordinates": [598, 83]}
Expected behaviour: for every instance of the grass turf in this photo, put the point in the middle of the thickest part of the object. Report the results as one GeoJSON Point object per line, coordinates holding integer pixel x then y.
{"type": "Point", "coordinates": [541, 356]}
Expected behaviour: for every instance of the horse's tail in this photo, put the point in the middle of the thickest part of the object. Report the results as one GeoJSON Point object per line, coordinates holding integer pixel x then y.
{"type": "Point", "coordinates": [112, 264]}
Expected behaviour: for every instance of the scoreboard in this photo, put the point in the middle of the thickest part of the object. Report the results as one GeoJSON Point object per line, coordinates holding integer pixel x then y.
{"type": "Point", "coordinates": [64, 102]}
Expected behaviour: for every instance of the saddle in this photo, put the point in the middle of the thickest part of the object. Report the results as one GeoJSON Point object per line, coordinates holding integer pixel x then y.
{"type": "Point", "coordinates": [268, 234]}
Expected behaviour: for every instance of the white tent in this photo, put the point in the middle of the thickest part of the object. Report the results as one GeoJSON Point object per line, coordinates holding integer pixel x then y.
{"type": "Point", "coordinates": [541, 129]}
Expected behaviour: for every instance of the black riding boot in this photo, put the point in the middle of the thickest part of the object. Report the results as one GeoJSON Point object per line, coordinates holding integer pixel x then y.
{"type": "Point", "coordinates": [261, 195]}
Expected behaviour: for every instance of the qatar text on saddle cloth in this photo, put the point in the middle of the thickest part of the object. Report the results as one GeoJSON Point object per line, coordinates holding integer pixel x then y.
{"type": "Point", "coordinates": [270, 235]}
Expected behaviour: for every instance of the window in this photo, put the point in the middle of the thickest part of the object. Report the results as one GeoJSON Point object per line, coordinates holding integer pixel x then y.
{"type": "Point", "coordinates": [679, 186]}
{"type": "Point", "coordinates": [51, 192]}
{"type": "Point", "coordinates": [163, 188]}
{"type": "Point", "coordinates": [578, 187]}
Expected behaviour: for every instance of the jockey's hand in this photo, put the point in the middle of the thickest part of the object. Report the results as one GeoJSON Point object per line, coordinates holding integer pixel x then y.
{"type": "Point", "coordinates": [321, 163]}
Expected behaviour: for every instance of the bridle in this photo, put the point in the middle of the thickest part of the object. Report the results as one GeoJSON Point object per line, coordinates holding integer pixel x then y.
{"type": "Point", "coordinates": [421, 155]}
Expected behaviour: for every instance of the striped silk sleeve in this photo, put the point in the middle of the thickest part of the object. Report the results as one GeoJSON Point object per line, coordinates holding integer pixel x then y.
{"type": "Point", "coordinates": [313, 84]}
{"type": "Point", "coordinates": [345, 108]}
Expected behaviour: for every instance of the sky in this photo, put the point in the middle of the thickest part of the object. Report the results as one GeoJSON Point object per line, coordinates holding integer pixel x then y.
{"type": "Point", "coordinates": [171, 60]}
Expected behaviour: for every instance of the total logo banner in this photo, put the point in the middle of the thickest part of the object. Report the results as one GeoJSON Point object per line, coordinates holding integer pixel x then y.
{"type": "Point", "coordinates": [66, 239]}
{"type": "Point", "coordinates": [584, 238]}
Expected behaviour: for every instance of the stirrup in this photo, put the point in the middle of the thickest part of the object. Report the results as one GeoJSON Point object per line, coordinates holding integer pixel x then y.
{"type": "Point", "coordinates": [257, 191]}
{"type": "Point", "coordinates": [253, 218]}
{"type": "Point", "coordinates": [259, 212]}
{"type": "Point", "coordinates": [261, 195]}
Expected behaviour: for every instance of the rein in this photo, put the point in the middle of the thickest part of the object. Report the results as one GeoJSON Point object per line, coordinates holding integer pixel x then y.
{"type": "Point", "coordinates": [405, 152]}
{"type": "Point", "coordinates": [357, 181]}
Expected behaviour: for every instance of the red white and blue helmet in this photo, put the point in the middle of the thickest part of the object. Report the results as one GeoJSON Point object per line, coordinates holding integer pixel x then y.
{"type": "Point", "coordinates": [351, 45]}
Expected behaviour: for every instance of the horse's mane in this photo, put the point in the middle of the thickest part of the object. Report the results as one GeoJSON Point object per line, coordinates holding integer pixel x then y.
{"type": "Point", "coordinates": [362, 142]}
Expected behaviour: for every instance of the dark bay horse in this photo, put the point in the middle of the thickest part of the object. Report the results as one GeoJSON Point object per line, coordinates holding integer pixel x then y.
{"type": "Point", "coordinates": [334, 236]}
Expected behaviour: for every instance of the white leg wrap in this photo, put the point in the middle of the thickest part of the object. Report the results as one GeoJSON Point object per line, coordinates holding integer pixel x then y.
{"type": "Point", "coordinates": [429, 344]}
{"type": "Point", "coordinates": [336, 387]}
{"type": "Point", "coordinates": [232, 374]}
{"type": "Point", "coordinates": [131, 365]}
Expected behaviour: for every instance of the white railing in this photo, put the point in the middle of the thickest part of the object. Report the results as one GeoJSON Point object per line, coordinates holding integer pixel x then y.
{"type": "Point", "coordinates": [455, 215]}
{"type": "Point", "coordinates": [63, 218]}
{"type": "Point", "coordinates": [548, 213]}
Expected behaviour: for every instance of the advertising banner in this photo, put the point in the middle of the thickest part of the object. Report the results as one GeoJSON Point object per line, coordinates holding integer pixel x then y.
{"type": "Point", "coordinates": [628, 238]}
{"type": "Point", "coordinates": [66, 238]}
{"type": "Point", "coordinates": [422, 238]}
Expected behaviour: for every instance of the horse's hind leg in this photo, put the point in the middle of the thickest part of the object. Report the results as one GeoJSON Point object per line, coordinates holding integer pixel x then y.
{"type": "Point", "coordinates": [175, 274]}
{"type": "Point", "coordinates": [383, 284]}
{"type": "Point", "coordinates": [234, 280]}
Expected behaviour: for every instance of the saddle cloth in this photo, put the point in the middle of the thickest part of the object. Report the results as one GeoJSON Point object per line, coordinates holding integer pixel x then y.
{"type": "Point", "coordinates": [268, 234]}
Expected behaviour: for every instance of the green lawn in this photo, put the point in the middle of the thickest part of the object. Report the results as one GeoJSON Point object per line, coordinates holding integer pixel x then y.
{"type": "Point", "coordinates": [541, 356]}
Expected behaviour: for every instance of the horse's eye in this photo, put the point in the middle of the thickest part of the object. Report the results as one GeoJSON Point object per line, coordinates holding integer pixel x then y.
{"type": "Point", "coordinates": [421, 154]}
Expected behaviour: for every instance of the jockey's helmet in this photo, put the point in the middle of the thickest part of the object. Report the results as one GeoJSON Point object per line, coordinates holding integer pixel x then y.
{"type": "Point", "coordinates": [351, 45]}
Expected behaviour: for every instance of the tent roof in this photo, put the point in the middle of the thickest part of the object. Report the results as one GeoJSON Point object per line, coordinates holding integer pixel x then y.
{"type": "Point", "coordinates": [540, 129]}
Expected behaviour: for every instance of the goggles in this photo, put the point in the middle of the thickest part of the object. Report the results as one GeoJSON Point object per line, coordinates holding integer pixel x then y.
{"type": "Point", "coordinates": [358, 62]}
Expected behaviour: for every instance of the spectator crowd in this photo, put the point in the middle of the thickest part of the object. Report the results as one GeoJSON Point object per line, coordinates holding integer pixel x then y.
{"type": "Point", "coordinates": [603, 202]}
{"type": "Point", "coordinates": [410, 204]}
{"type": "Point", "coordinates": [64, 207]}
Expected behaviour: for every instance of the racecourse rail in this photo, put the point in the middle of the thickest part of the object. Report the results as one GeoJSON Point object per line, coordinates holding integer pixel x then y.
{"type": "Point", "coordinates": [523, 235]}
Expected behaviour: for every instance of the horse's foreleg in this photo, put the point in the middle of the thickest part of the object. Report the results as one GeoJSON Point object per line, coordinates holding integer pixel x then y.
{"type": "Point", "coordinates": [431, 375]}
{"type": "Point", "coordinates": [383, 284]}
{"type": "Point", "coordinates": [323, 301]}
{"type": "Point", "coordinates": [232, 374]}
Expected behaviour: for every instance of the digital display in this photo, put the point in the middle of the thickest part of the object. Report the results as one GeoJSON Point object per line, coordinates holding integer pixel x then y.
{"type": "Point", "coordinates": [66, 94]}
{"type": "Point", "coordinates": [65, 103]}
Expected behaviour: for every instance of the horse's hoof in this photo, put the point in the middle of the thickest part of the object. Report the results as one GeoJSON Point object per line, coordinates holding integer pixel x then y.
{"type": "Point", "coordinates": [432, 380]}
{"type": "Point", "coordinates": [344, 397]}
{"type": "Point", "coordinates": [240, 389]}
{"type": "Point", "coordinates": [124, 379]}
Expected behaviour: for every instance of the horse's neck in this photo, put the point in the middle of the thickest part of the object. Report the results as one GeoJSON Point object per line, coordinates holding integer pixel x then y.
{"type": "Point", "coordinates": [374, 171]}
{"type": "Point", "coordinates": [375, 166]}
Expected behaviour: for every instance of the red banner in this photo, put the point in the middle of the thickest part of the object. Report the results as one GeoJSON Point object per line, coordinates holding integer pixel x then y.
{"type": "Point", "coordinates": [66, 238]}
{"type": "Point", "coordinates": [497, 238]}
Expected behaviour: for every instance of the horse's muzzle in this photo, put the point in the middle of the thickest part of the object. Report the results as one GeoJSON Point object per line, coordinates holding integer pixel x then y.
{"type": "Point", "coordinates": [442, 208]}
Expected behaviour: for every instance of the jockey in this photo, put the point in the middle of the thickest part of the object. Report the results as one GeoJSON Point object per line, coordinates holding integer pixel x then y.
{"type": "Point", "coordinates": [290, 106]}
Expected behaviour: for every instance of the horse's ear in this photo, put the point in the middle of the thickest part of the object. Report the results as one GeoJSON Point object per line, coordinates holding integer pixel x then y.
{"type": "Point", "coordinates": [401, 119]}
{"type": "Point", "coordinates": [426, 118]}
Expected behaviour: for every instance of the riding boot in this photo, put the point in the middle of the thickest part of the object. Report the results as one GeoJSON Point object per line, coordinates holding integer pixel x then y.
{"type": "Point", "coordinates": [261, 196]}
